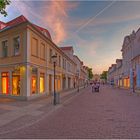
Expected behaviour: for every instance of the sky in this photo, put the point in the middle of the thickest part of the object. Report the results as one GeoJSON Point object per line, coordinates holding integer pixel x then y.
{"type": "Point", "coordinates": [95, 29]}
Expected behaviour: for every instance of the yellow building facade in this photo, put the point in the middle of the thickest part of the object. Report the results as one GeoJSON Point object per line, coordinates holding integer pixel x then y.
{"type": "Point", "coordinates": [26, 67]}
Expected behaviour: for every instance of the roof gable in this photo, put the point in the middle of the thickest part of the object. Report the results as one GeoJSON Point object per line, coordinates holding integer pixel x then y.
{"type": "Point", "coordinates": [22, 19]}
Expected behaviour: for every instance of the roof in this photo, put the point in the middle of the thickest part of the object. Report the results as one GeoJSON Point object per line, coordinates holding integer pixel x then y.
{"type": "Point", "coordinates": [77, 57]}
{"type": "Point", "coordinates": [2, 22]}
{"type": "Point", "coordinates": [42, 29]}
{"type": "Point", "coordinates": [16, 21]}
{"type": "Point", "coordinates": [22, 19]}
{"type": "Point", "coordinates": [67, 48]}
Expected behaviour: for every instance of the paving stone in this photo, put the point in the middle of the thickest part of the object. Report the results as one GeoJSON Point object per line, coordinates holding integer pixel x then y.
{"type": "Point", "coordinates": [110, 114]}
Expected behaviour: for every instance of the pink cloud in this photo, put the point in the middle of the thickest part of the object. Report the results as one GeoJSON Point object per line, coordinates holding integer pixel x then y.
{"type": "Point", "coordinates": [53, 14]}
{"type": "Point", "coordinates": [57, 17]}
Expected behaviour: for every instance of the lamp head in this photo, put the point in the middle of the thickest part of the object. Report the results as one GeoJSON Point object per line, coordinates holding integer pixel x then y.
{"type": "Point", "coordinates": [54, 58]}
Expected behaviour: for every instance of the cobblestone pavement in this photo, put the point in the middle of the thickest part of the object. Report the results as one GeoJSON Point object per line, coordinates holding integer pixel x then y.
{"type": "Point", "coordinates": [111, 113]}
{"type": "Point", "coordinates": [15, 114]}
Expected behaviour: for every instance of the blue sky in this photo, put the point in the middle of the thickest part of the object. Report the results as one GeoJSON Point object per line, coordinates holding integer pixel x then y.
{"type": "Point", "coordinates": [95, 29]}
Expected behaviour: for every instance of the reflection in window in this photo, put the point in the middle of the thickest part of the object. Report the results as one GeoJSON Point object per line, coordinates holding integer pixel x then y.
{"type": "Point", "coordinates": [5, 48]}
{"type": "Point", "coordinates": [16, 83]}
{"type": "Point", "coordinates": [34, 81]}
{"type": "Point", "coordinates": [42, 83]}
{"type": "Point", "coordinates": [5, 82]}
{"type": "Point", "coordinates": [16, 46]}
{"type": "Point", "coordinates": [34, 84]}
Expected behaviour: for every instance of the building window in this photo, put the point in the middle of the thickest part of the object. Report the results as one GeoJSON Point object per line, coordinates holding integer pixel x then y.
{"type": "Point", "coordinates": [59, 61]}
{"type": "Point", "coordinates": [16, 46]}
{"type": "Point", "coordinates": [34, 47]}
{"type": "Point", "coordinates": [5, 82]}
{"type": "Point", "coordinates": [63, 63]}
{"type": "Point", "coordinates": [34, 84]}
{"type": "Point", "coordinates": [68, 66]}
{"type": "Point", "coordinates": [5, 48]}
{"type": "Point", "coordinates": [50, 55]}
{"type": "Point", "coordinates": [42, 83]}
{"type": "Point", "coordinates": [16, 83]}
{"type": "Point", "coordinates": [34, 80]}
{"type": "Point", "coordinates": [42, 51]}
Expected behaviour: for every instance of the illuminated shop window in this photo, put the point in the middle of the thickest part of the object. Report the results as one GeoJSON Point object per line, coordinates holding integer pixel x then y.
{"type": "Point", "coordinates": [5, 82]}
{"type": "Point", "coordinates": [34, 84]}
{"type": "Point", "coordinates": [42, 83]}
{"type": "Point", "coordinates": [126, 82]}
{"type": "Point", "coordinates": [128, 85]}
{"type": "Point", "coordinates": [34, 81]}
{"type": "Point", "coordinates": [16, 83]}
{"type": "Point", "coordinates": [58, 83]}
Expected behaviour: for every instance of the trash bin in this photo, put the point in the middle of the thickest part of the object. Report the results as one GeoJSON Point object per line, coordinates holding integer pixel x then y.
{"type": "Point", "coordinates": [57, 98]}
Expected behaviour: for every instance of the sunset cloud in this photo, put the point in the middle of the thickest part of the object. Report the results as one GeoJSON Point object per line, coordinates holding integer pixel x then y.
{"type": "Point", "coordinates": [55, 18]}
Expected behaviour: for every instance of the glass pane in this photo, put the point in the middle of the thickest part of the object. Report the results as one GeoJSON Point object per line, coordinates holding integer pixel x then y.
{"type": "Point", "coordinates": [5, 83]}
{"type": "Point", "coordinates": [16, 85]}
{"type": "Point", "coordinates": [16, 45]}
{"type": "Point", "coordinates": [34, 84]}
{"type": "Point", "coordinates": [41, 84]}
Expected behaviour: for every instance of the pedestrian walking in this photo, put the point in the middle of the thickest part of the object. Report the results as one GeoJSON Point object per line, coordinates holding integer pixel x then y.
{"type": "Point", "coordinates": [93, 86]}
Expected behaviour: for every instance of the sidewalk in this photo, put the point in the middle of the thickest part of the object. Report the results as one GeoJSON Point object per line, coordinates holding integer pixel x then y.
{"type": "Point", "coordinates": [16, 114]}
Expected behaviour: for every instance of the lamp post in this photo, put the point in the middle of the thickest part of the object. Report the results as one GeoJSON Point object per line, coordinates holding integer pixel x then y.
{"type": "Point", "coordinates": [54, 60]}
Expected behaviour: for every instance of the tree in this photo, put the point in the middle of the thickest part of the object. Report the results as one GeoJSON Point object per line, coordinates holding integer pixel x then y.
{"type": "Point", "coordinates": [3, 4]}
{"type": "Point", "coordinates": [104, 75]}
{"type": "Point", "coordinates": [90, 74]}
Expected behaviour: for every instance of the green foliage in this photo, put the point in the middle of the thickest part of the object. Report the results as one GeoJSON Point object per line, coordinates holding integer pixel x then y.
{"type": "Point", "coordinates": [104, 75]}
{"type": "Point", "coordinates": [3, 4]}
{"type": "Point", "coordinates": [90, 74]}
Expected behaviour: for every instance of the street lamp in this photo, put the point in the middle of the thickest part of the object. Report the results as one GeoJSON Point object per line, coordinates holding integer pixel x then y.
{"type": "Point", "coordinates": [54, 60]}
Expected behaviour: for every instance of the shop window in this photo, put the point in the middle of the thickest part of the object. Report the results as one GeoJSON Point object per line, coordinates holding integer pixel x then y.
{"type": "Point", "coordinates": [16, 46]}
{"type": "Point", "coordinates": [58, 83]}
{"type": "Point", "coordinates": [5, 48]}
{"type": "Point", "coordinates": [34, 81]}
{"type": "Point", "coordinates": [16, 83]}
{"type": "Point", "coordinates": [5, 82]}
{"type": "Point", "coordinates": [42, 83]}
{"type": "Point", "coordinates": [34, 86]}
